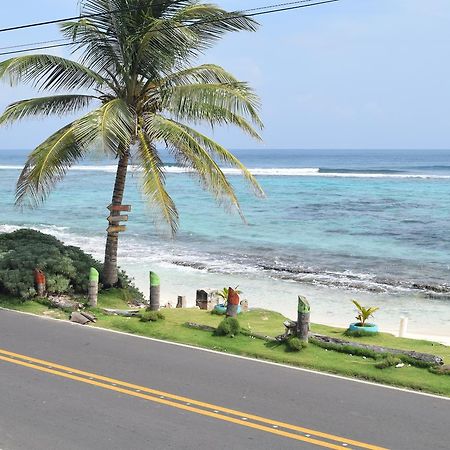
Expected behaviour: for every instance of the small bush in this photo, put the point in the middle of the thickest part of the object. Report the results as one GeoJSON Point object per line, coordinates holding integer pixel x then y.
{"type": "Point", "coordinates": [228, 327]}
{"type": "Point", "coordinates": [389, 361]}
{"type": "Point", "coordinates": [151, 316]}
{"type": "Point", "coordinates": [294, 344]}
{"type": "Point", "coordinates": [66, 268]}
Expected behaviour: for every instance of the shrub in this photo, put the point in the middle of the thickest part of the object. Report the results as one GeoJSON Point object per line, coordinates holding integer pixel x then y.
{"type": "Point", "coordinates": [294, 344]}
{"type": "Point", "coordinates": [66, 267]}
{"type": "Point", "coordinates": [151, 316]}
{"type": "Point", "coordinates": [389, 361]}
{"type": "Point", "coordinates": [228, 327]}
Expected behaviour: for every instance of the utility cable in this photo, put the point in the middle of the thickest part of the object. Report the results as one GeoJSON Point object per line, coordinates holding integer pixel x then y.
{"type": "Point", "coordinates": [257, 12]}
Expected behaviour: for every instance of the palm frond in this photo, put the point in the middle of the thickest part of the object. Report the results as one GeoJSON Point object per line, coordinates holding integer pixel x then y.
{"type": "Point", "coordinates": [194, 100]}
{"type": "Point", "coordinates": [182, 143]}
{"type": "Point", "coordinates": [210, 22]}
{"type": "Point", "coordinates": [45, 106]}
{"type": "Point", "coordinates": [110, 127]}
{"type": "Point", "coordinates": [153, 184]}
{"type": "Point", "coordinates": [49, 72]}
{"type": "Point", "coordinates": [100, 50]}
{"type": "Point", "coordinates": [47, 165]}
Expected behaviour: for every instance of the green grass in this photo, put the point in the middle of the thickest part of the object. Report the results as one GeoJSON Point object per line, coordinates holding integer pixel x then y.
{"type": "Point", "coordinates": [269, 323]}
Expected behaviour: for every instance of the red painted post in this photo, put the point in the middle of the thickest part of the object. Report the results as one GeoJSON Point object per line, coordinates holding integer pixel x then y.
{"type": "Point", "coordinates": [39, 279]}
{"type": "Point", "coordinates": [232, 303]}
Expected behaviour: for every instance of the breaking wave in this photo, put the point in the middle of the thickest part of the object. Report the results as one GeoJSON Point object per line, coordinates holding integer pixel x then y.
{"type": "Point", "coordinates": [273, 171]}
{"type": "Point", "coordinates": [136, 250]}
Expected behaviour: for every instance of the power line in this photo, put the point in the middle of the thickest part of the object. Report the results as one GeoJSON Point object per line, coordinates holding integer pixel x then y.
{"type": "Point", "coordinates": [282, 7]}
{"type": "Point", "coordinates": [115, 11]}
{"type": "Point", "coordinates": [54, 41]}
{"type": "Point", "coordinates": [66, 19]}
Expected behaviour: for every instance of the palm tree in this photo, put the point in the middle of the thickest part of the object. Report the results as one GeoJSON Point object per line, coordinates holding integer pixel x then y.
{"type": "Point", "coordinates": [135, 65]}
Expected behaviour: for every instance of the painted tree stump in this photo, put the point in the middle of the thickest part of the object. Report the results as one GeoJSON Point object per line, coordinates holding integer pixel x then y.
{"type": "Point", "coordinates": [93, 287]}
{"type": "Point", "coordinates": [232, 303]}
{"type": "Point", "coordinates": [155, 292]}
{"type": "Point", "coordinates": [40, 281]}
{"type": "Point", "coordinates": [303, 318]}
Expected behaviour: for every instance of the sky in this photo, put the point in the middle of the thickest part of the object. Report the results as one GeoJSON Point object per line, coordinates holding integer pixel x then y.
{"type": "Point", "coordinates": [355, 74]}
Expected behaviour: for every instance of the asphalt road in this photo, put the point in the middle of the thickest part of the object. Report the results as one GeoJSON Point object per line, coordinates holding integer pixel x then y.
{"type": "Point", "coordinates": [96, 390]}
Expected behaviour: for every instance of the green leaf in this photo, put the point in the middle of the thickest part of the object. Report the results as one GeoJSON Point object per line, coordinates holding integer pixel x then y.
{"type": "Point", "coordinates": [49, 72]}
{"type": "Point", "coordinates": [153, 184]}
{"type": "Point", "coordinates": [45, 106]}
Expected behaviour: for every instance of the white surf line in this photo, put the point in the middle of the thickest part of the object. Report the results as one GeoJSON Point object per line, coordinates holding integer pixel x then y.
{"type": "Point", "coordinates": [231, 355]}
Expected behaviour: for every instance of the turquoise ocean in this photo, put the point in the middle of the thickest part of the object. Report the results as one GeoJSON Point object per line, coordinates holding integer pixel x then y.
{"type": "Point", "coordinates": [335, 225]}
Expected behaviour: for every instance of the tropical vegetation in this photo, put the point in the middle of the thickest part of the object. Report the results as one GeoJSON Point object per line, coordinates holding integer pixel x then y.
{"type": "Point", "coordinates": [364, 313]}
{"type": "Point", "coordinates": [66, 268]}
{"type": "Point", "coordinates": [135, 67]}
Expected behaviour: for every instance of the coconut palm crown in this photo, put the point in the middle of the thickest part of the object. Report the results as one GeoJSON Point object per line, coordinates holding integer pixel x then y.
{"type": "Point", "coordinates": [135, 68]}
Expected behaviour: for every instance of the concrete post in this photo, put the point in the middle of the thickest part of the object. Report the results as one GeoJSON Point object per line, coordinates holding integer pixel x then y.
{"type": "Point", "coordinates": [93, 287]}
{"type": "Point", "coordinates": [303, 318]}
{"type": "Point", "coordinates": [403, 326]}
{"type": "Point", "coordinates": [155, 291]}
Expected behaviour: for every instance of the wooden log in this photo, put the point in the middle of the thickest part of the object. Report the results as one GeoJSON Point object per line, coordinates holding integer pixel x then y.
{"type": "Point", "coordinates": [334, 343]}
{"type": "Point", "coordinates": [198, 326]}
{"type": "Point", "coordinates": [88, 316]}
{"type": "Point", "coordinates": [79, 318]}
{"type": "Point", "coordinates": [181, 303]}
{"type": "Point", "coordinates": [303, 318]}
{"type": "Point", "coordinates": [155, 292]}
{"type": "Point", "coordinates": [232, 303]}
{"type": "Point", "coordinates": [64, 303]}
{"type": "Point", "coordinates": [122, 312]}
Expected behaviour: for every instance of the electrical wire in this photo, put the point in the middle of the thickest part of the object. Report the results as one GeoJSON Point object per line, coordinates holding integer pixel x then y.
{"type": "Point", "coordinates": [281, 7]}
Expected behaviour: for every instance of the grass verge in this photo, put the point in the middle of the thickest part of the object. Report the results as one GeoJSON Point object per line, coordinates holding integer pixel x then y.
{"type": "Point", "coordinates": [268, 323]}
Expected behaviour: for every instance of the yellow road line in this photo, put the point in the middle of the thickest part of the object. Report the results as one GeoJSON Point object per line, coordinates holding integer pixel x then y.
{"type": "Point", "coordinates": [69, 373]}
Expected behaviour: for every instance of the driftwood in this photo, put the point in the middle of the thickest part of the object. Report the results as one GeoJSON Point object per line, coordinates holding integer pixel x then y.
{"type": "Point", "coordinates": [63, 302]}
{"type": "Point", "coordinates": [199, 326]}
{"type": "Point", "coordinates": [88, 316]}
{"type": "Point", "coordinates": [333, 343]}
{"type": "Point", "coordinates": [79, 318]}
{"type": "Point", "coordinates": [122, 312]}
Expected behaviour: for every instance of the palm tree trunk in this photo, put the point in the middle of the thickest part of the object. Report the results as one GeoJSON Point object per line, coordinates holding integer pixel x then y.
{"type": "Point", "coordinates": [110, 271]}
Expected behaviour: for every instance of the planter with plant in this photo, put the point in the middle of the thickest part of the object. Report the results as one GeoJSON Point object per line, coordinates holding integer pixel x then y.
{"type": "Point", "coordinates": [362, 327]}
{"type": "Point", "coordinates": [221, 307]}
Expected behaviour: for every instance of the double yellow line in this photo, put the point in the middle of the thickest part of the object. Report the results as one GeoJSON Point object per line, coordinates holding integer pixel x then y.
{"type": "Point", "coordinates": [278, 428]}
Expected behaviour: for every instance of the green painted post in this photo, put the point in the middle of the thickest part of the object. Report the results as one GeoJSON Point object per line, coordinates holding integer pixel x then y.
{"type": "Point", "coordinates": [303, 318]}
{"type": "Point", "coordinates": [93, 287]}
{"type": "Point", "coordinates": [155, 291]}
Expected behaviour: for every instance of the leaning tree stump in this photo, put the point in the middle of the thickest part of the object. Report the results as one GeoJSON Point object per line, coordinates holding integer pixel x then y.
{"type": "Point", "coordinates": [303, 318]}
{"type": "Point", "coordinates": [232, 303]}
